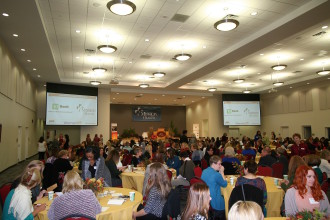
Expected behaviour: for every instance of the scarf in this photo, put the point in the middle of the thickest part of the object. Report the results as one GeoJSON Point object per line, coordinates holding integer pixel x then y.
{"type": "Point", "coordinates": [20, 204]}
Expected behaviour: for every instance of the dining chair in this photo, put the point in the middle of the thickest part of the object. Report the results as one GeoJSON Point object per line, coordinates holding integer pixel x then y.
{"type": "Point", "coordinates": [4, 190]}
{"type": "Point", "coordinates": [169, 174]}
{"type": "Point", "coordinates": [277, 170]}
{"type": "Point", "coordinates": [264, 171]}
{"type": "Point", "coordinates": [198, 171]}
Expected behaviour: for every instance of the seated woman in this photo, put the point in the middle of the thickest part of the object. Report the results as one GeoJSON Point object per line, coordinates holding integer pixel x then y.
{"type": "Point", "coordinates": [198, 202]}
{"type": "Point", "coordinates": [36, 191]}
{"type": "Point", "coordinates": [305, 193]}
{"type": "Point", "coordinates": [294, 163]}
{"type": "Point", "coordinates": [111, 161]}
{"type": "Point", "coordinates": [250, 170]}
{"type": "Point", "coordinates": [18, 203]}
{"type": "Point", "coordinates": [136, 159]}
{"type": "Point", "coordinates": [247, 210]}
{"type": "Point", "coordinates": [157, 191]}
{"type": "Point", "coordinates": [208, 154]}
{"type": "Point", "coordinates": [61, 166]}
{"type": "Point", "coordinates": [75, 200]}
{"type": "Point", "coordinates": [173, 161]}
{"type": "Point", "coordinates": [248, 150]}
{"type": "Point", "coordinates": [93, 166]}
{"type": "Point", "coordinates": [230, 156]}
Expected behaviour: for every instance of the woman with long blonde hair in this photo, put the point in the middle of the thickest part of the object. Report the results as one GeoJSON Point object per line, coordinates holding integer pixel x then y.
{"type": "Point", "coordinates": [198, 202]}
{"type": "Point", "coordinates": [157, 190]}
{"type": "Point", "coordinates": [245, 210]}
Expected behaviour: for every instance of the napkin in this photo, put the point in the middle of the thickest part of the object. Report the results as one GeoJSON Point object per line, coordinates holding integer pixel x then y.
{"type": "Point", "coordinates": [116, 201]}
{"type": "Point", "coordinates": [104, 209]}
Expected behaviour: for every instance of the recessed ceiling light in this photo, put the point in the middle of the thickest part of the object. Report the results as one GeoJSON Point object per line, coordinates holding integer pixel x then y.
{"type": "Point", "coordinates": [258, 73]}
{"type": "Point", "coordinates": [78, 31]}
{"type": "Point", "coordinates": [163, 95]}
{"type": "Point", "coordinates": [107, 48]}
{"type": "Point", "coordinates": [183, 96]}
{"type": "Point", "coordinates": [291, 87]}
{"type": "Point", "coordinates": [29, 61]}
{"type": "Point", "coordinates": [113, 98]}
{"type": "Point", "coordinates": [15, 35]}
{"type": "Point", "coordinates": [38, 76]}
{"type": "Point", "coordinates": [144, 85]}
{"type": "Point", "coordinates": [226, 24]}
{"type": "Point", "coordinates": [174, 100]}
{"type": "Point", "coordinates": [279, 67]}
{"type": "Point", "coordinates": [155, 99]}
{"type": "Point", "coordinates": [238, 80]}
{"type": "Point", "coordinates": [95, 83]}
{"type": "Point", "coordinates": [323, 72]}
{"type": "Point", "coordinates": [77, 57]}
{"type": "Point", "coordinates": [204, 46]}
{"type": "Point", "coordinates": [121, 7]}
{"type": "Point", "coordinates": [130, 62]}
{"type": "Point", "coordinates": [325, 27]}
{"type": "Point", "coordinates": [247, 91]}
{"type": "Point", "coordinates": [5, 14]}
{"type": "Point", "coordinates": [146, 40]}
{"type": "Point", "coordinates": [278, 83]}
{"type": "Point", "coordinates": [99, 70]}
{"type": "Point", "coordinates": [34, 69]}
{"type": "Point", "coordinates": [254, 13]}
{"type": "Point", "coordinates": [261, 54]}
{"type": "Point", "coordinates": [302, 59]}
{"type": "Point", "coordinates": [117, 93]}
{"type": "Point", "coordinates": [23, 49]}
{"type": "Point", "coordinates": [159, 74]}
{"type": "Point", "coordinates": [182, 56]}
{"type": "Point", "coordinates": [44, 85]}
{"type": "Point", "coordinates": [307, 83]}
{"type": "Point", "coordinates": [192, 101]}
{"type": "Point", "coordinates": [212, 89]}
{"type": "Point", "coordinates": [203, 97]}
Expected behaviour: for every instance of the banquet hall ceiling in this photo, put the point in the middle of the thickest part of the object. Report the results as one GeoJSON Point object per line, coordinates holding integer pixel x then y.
{"type": "Point", "coordinates": [282, 32]}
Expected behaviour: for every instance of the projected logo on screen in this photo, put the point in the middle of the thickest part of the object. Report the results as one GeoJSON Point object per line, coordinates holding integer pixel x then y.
{"type": "Point", "coordinates": [81, 108]}
{"type": "Point", "coordinates": [55, 106]}
{"type": "Point", "coordinates": [229, 111]}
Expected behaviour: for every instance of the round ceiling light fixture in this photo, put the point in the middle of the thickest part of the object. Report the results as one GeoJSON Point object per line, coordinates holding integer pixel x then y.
{"type": "Point", "coordinates": [182, 56]}
{"type": "Point", "coordinates": [279, 67]}
{"type": "Point", "coordinates": [238, 80]}
{"type": "Point", "coordinates": [278, 83]}
{"type": "Point", "coordinates": [226, 24]}
{"type": "Point", "coordinates": [323, 72]}
{"type": "Point", "coordinates": [95, 83]}
{"type": "Point", "coordinates": [121, 7]}
{"type": "Point", "coordinates": [107, 48]}
{"type": "Point", "coordinates": [144, 85]}
{"type": "Point", "coordinates": [247, 91]}
{"type": "Point", "coordinates": [99, 70]}
{"type": "Point", "coordinates": [159, 74]}
{"type": "Point", "coordinates": [212, 89]}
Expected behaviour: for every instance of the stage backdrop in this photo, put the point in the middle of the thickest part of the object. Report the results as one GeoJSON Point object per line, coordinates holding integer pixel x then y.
{"type": "Point", "coordinates": [122, 115]}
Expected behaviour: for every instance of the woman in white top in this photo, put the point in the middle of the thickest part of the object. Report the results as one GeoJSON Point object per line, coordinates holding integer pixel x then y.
{"type": "Point", "coordinates": [42, 147]}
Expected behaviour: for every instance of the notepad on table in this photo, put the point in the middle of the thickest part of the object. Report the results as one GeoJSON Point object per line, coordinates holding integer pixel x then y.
{"type": "Point", "coordinates": [116, 201]}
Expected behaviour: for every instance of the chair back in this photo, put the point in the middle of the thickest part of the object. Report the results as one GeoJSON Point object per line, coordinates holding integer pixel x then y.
{"type": "Point", "coordinates": [198, 171]}
{"type": "Point", "coordinates": [169, 174]}
{"type": "Point", "coordinates": [324, 176]}
{"type": "Point", "coordinates": [196, 180]}
{"type": "Point", "coordinates": [277, 170]}
{"type": "Point", "coordinates": [127, 159]}
{"type": "Point", "coordinates": [229, 168]}
{"type": "Point", "coordinates": [246, 192]}
{"type": "Point", "coordinates": [325, 186]}
{"type": "Point", "coordinates": [172, 206]}
{"type": "Point", "coordinates": [264, 171]}
{"type": "Point", "coordinates": [4, 190]}
{"type": "Point", "coordinates": [204, 164]}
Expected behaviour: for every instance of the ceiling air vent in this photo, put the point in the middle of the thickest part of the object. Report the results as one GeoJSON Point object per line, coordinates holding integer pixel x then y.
{"type": "Point", "coordinates": [89, 52]}
{"type": "Point", "coordinates": [297, 71]}
{"type": "Point", "coordinates": [145, 56]}
{"type": "Point", "coordinates": [114, 81]}
{"type": "Point", "coordinates": [179, 18]}
{"type": "Point", "coordinates": [319, 34]}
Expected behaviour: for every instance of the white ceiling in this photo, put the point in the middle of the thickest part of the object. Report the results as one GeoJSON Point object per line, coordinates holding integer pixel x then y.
{"type": "Point", "coordinates": [282, 31]}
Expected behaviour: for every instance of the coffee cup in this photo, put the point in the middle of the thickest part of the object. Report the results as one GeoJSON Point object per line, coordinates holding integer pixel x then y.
{"type": "Point", "coordinates": [276, 181]}
{"type": "Point", "coordinates": [50, 195]}
{"type": "Point", "coordinates": [132, 196]}
{"type": "Point", "coordinates": [285, 177]}
{"type": "Point", "coordinates": [231, 180]}
{"type": "Point", "coordinates": [129, 168]}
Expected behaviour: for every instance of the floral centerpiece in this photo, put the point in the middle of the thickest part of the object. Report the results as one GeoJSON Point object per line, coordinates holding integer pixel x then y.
{"type": "Point", "coordinates": [306, 215]}
{"type": "Point", "coordinates": [95, 185]}
{"type": "Point", "coordinates": [239, 169]}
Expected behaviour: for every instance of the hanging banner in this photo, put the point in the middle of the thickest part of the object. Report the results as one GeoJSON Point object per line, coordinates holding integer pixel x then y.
{"type": "Point", "coordinates": [146, 113]}
{"type": "Point", "coordinates": [114, 132]}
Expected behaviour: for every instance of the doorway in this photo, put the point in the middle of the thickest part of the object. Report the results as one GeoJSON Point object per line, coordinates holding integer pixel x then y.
{"type": "Point", "coordinates": [307, 132]}
{"type": "Point", "coordinates": [19, 144]}
{"type": "Point", "coordinates": [26, 150]}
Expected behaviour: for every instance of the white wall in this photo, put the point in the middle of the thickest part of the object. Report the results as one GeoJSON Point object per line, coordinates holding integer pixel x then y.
{"type": "Point", "coordinates": [17, 108]}
{"type": "Point", "coordinates": [304, 106]}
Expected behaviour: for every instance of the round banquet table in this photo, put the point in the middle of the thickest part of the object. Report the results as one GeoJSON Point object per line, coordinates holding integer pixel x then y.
{"type": "Point", "coordinates": [274, 196]}
{"type": "Point", "coordinates": [133, 180]}
{"type": "Point", "coordinates": [277, 218]}
{"type": "Point", "coordinates": [114, 212]}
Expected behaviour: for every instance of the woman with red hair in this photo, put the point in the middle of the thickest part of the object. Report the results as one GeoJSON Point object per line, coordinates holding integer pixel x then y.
{"type": "Point", "coordinates": [305, 193]}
